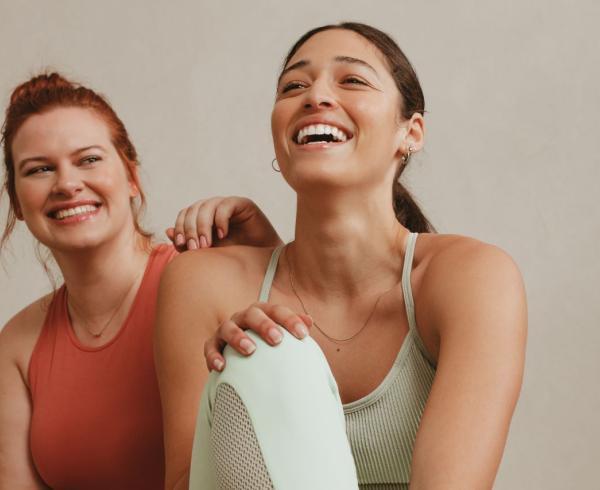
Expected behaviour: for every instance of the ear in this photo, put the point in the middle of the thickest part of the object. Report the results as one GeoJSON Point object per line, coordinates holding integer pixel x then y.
{"type": "Point", "coordinates": [17, 210]}
{"type": "Point", "coordinates": [411, 135]}
{"type": "Point", "coordinates": [134, 190]}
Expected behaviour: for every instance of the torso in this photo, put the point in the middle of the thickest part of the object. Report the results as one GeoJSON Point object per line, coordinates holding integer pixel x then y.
{"type": "Point", "coordinates": [384, 375]}
{"type": "Point", "coordinates": [382, 422]}
{"type": "Point", "coordinates": [106, 394]}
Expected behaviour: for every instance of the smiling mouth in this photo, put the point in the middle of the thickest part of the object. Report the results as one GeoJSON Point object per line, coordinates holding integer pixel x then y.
{"type": "Point", "coordinates": [62, 214]}
{"type": "Point", "coordinates": [321, 133]}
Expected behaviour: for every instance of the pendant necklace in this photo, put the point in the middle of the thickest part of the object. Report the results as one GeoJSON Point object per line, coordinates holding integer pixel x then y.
{"type": "Point", "coordinates": [99, 333]}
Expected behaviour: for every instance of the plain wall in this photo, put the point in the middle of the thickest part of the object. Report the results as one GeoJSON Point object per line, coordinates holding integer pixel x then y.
{"type": "Point", "coordinates": [512, 154]}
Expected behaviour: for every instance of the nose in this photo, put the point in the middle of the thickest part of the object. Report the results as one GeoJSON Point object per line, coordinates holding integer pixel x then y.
{"type": "Point", "coordinates": [319, 96]}
{"type": "Point", "coordinates": [67, 182]}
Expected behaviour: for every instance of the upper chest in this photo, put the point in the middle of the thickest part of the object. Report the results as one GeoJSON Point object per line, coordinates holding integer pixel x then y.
{"type": "Point", "coordinates": [360, 365]}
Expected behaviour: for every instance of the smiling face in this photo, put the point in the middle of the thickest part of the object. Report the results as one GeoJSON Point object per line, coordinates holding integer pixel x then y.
{"type": "Point", "coordinates": [72, 188]}
{"type": "Point", "coordinates": [336, 120]}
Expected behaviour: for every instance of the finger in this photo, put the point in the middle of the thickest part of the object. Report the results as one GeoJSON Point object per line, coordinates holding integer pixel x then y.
{"type": "Point", "coordinates": [227, 211]}
{"type": "Point", "coordinates": [255, 319]}
{"type": "Point", "coordinates": [205, 219]}
{"type": "Point", "coordinates": [289, 320]}
{"type": "Point", "coordinates": [230, 333]}
{"type": "Point", "coordinates": [307, 319]}
{"type": "Point", "coordinates": [170, 232]}
{"type": "Point", "coordinates": [189, 227]}
{"type": "Point", "coordinates": [179, 233]}
{"type": "Point", "coordinates": [284, 316]}
{"type": "Point", "coordinates": [212, 354]}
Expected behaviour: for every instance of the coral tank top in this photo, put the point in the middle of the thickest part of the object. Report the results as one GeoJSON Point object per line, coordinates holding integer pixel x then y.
{"type": "Point", "coordinates": [96, 421]}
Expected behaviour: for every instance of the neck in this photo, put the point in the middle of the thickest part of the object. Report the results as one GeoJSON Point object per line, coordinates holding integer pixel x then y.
{"type": "Point", "coordinates": [97, 278]}
{"type": "Point", "coordinates": [348, 244]}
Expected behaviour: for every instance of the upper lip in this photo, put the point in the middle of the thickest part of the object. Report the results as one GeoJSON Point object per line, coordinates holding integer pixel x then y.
{"type": "Point", "coordinates": [72, 204]}
{"type": "Point", "coordinates": [319, 120]}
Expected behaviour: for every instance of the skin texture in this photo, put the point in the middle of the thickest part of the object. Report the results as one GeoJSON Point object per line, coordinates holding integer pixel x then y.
{"type": "Point", "coordinates": [58, 172]}
{"type": "Point", "coordinates": [348, 250]}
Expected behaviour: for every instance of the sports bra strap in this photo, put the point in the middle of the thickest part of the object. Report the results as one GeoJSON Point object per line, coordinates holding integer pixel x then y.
{"type": "Point", "coordinates": [265, 289]}
{"type": "Point", "coordinates": [408, 296]}
{"type": "Point", "coordinates": [406, 287]}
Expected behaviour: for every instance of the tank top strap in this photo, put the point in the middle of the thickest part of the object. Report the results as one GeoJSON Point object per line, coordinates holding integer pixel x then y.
{"type": "Point", "coordinates": [265, 289]}
{"type": "Point", "coordinates": [408, 296]}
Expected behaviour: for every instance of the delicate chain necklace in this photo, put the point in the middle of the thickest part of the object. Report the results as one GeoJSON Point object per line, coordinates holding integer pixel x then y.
{"type": "Point", "coordinates": [326, 335]}
{"type": "Point", "coordinates": [112, 316]}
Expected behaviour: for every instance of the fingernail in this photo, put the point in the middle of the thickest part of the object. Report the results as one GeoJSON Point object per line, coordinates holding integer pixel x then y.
{"type": "Point", "coordinates": [274, 335]}
{"type": "Point", "coordinates": [247, 346]}
{"type": "Point", "coordinates": [218, 364]}
{"type": "Point", "coordinates": [301, 330]}
{"type": "Point", "coordinates": [179, 240]}
{"type": "Point", "coordinates": [203, 242]}
{"type": "Point", "coordinates": [220, 234]}
{"type": "Point", "coordinates": [191, 244]}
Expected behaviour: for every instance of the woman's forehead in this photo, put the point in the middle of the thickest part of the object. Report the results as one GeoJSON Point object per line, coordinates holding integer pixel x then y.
{"type": "Point", "coordinates": [336, 43]}
{"type": "Point", "coordinates": [61, 128]}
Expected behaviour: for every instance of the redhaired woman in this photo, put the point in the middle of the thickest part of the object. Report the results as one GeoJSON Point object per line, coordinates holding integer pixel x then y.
{"type": "Point", "coordinates": [79, 402]}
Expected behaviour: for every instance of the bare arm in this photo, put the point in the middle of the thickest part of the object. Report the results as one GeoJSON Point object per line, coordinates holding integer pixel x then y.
{"type": "Point", "coordinates": [478, 310]}
{"type": "Point", "coordinates": [16, 466]}
{"type": "Point", "coordinates": [197, 290]}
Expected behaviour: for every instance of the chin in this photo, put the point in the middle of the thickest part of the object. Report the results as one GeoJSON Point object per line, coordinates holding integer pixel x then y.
{"type": "Point", "coordinates": [323, 173]}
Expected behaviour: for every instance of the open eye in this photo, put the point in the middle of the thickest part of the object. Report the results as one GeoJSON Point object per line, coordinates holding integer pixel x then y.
{"type": "Point", "coordinates": [90, 159]}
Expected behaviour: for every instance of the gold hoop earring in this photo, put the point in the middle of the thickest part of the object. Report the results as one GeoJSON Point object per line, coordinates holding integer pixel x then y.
{"type": "Point", "coordinates": [406, 158]}
{"type": "Point", "coordinates": [275, 165]}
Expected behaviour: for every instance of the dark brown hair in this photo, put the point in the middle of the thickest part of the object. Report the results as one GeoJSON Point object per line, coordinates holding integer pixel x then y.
{"type": "Point", "coordinates": [49, 91]}
{"type": "Point", "coordinates": [407, 211]}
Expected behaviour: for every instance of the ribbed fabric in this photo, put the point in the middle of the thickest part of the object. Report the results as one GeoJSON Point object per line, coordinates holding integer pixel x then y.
{"type": "Point", "coordinates": [382, 426]}
{"type": "Point", "coordinates": [96, 422]}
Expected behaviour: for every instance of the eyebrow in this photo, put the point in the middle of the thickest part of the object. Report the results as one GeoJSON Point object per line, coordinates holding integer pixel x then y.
{"type": "Point", "coordinates": [337, 59]}
{"type": "Point", "coordinates": [45, 159]}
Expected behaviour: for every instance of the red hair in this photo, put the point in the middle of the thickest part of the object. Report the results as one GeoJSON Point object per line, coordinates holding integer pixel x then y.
{"type": "Point", "coordinates": [43, 93]}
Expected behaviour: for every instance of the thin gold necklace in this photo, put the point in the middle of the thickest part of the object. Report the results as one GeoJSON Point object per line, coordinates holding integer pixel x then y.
{"type": "Point", "coordinates": [325, 334]}
{"type": "Point", "coordinates": [98, 334]}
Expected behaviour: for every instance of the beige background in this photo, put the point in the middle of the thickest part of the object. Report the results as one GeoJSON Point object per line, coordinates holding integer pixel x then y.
{"type": "Point", "coordinates": [512, 154]}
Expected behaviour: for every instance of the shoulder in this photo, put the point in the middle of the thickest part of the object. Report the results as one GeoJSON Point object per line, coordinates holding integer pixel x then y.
{"type": "Point", "coordinates": [214, 281]}
{"type": "Point", "coordinates": [464, 279]}
{"type": "Point", "coordinates": [19, 336]}
{"type": "Point", "coordinates": [217, 264]}
{"type": "Point", "coordinates": [465, 258]}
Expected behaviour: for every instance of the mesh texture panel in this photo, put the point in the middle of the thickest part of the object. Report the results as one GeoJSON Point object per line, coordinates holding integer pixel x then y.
{"type": "Point", "coordinates": [239, 463]}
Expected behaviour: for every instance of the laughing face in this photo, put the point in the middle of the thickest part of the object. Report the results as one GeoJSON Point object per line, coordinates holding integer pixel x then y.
{"type": "Point", "coordinates": [72, 188]}
{"type": "Point", "coordinates": [336, 117]}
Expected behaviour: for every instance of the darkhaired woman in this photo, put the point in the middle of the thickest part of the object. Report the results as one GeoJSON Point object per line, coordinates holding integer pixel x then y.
{"type": "Point", "coordinates": [79, 402]}
{"type": "Point", "coordinates": [423, 334]}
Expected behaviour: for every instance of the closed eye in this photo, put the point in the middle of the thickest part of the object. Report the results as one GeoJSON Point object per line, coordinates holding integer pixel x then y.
{"type": "Point", "coordinates": [354, 81]}
{"type": "Point", "coordinates": [42, 169]}
{"type": "Point", "coordinates": [292, 86]}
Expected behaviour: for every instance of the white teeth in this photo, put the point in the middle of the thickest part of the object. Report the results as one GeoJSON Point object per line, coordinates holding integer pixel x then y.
{"type": "Point", "coordinates": [66, 213]}
{"type": "Point", "coordinates": [312, 129]}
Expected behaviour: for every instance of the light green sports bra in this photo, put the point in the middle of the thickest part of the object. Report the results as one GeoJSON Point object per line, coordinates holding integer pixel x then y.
{"type": "Point", "coordinates": [382, 426]}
